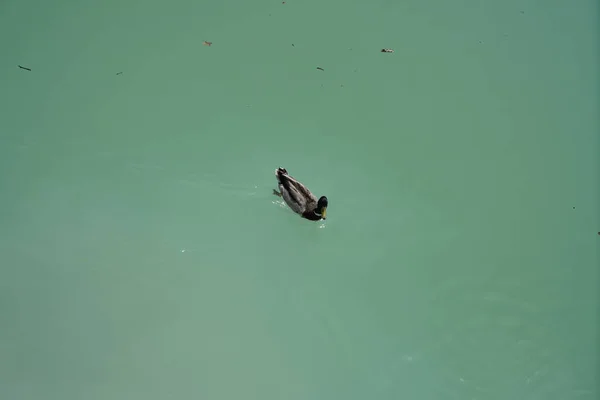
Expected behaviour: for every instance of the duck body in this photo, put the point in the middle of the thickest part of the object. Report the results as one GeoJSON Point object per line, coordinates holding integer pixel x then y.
{"type": "Point", "coordinates": [299, 198]}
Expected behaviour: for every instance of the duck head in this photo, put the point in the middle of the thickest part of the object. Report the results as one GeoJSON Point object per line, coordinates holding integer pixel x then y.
{"type": "Point", "coordinates": [322, 207]}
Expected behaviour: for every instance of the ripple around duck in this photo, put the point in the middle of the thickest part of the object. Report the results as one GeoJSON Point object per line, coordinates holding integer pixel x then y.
{"type": "Point", "coordinates": [490, 340]}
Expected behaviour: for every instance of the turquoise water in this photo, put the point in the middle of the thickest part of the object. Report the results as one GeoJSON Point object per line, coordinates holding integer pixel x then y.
{"type": "Point", "coordinates": [143, 256]}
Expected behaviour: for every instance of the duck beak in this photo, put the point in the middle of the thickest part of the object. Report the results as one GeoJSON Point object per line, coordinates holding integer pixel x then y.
{"type": "Point", "coordinates": [324, 213]}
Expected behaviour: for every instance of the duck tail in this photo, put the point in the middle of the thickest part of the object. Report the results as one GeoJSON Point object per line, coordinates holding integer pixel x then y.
{"type": "Point", "coordinates": [280, 172]}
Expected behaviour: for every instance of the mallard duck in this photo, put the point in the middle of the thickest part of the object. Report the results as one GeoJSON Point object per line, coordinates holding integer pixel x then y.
{"type": "Point", "coordinates": [299, 198]}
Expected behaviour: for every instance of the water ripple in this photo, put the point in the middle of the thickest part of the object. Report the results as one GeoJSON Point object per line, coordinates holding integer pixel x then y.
{"type": "Point", "coordinates": [487, 330]}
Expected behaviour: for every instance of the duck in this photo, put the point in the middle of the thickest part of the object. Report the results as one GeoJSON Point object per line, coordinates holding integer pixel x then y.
{"type": "Point", "coordinates": [299, 198]}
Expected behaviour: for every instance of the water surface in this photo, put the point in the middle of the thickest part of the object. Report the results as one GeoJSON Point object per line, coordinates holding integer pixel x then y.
{"type": "Point", "coordinates": [143, 256]}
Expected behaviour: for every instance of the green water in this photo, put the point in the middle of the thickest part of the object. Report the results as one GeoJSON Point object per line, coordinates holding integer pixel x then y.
{"type": "Point", "coordinates": [143, 256]}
